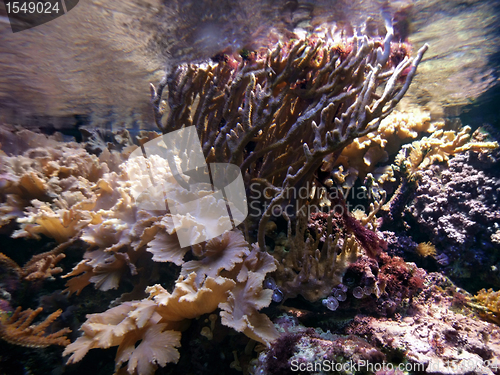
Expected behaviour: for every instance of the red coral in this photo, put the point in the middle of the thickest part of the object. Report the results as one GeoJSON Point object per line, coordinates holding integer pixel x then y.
{"type": "Point", "coordinates": [401, 278]}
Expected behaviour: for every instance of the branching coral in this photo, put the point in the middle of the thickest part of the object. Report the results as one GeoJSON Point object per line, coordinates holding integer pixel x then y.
{"type": "Point", "coordinates": [40, 266]}
{"type": "Point", "coordinates": [438, 148]}
{"type": "Point", "coordinates": [18, 330]}
{"type": "Point", "coordinates": [308, 95]}
{"type": "Point", "coordinates": [362, 155]}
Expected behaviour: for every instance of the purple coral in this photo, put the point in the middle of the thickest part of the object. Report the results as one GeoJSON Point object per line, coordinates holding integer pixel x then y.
{"type": "Point", "coordinates": [459, 208]}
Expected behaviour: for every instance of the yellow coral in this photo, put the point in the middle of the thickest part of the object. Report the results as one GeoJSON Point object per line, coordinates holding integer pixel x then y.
{"type": "Point", "coordinates": [426, 249]}
{"type": "Point", "coordinates": [491, 302]}
{"type": "Point", "coordinates": [438, 147]}
{"type": "Point", "coordinates": [362, 155]}
{"type": "Point", "coordinates": [158, 320]}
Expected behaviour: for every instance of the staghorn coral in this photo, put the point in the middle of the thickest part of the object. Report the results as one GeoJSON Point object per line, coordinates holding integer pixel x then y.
{"type": "Point", "coordinates": [18, 330]}
{"type": "Point", "coordinates": [315, 95]}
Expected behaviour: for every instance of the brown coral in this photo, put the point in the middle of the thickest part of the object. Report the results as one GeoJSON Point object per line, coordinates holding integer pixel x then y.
{"type": "Point", "coordinates": [299, 95]}
{"type": "Point", "coordinates": [220, 253]}
{"type": "Point", "coordinates": [489, 304]}
{"type": "Point", "coordinates": [305, 94]}
{"type": "Point", "coordinates": [426, 249]}
{"type": "Point", "coordinates": [362, 155]}
{"type": "Point", "coordinates": [240, 312]}
{"type": "Point", "coordinates": [312, 267]}
{"type": "Point", "coordinates": [438, 147]}
{"type": "Point", "coordinates": [18, 330]}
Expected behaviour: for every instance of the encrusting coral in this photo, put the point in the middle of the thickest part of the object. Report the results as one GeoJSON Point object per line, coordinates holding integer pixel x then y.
{"type": "Point", "coordinates": [414, 159]}
{"type": "Point", "coordinates": [456, 206]}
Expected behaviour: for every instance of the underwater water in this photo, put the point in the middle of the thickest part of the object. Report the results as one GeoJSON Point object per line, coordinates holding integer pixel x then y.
{"type": "Point", "coordinates": [259, 187]}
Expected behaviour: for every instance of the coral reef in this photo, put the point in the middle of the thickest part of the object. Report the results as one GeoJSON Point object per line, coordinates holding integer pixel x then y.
{"type": "Point", "coordinates": [306, 118]}
{"type": "Point", "coordinates": [284, 115]}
